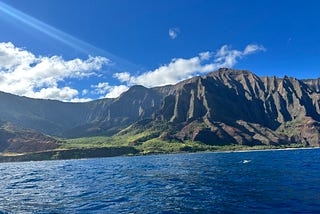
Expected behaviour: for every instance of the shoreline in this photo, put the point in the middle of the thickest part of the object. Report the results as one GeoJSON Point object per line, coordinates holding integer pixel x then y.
{"type": "Point", "coordinates": [108, 152]}
{"type": "Point", "coordinates": [275, 149]}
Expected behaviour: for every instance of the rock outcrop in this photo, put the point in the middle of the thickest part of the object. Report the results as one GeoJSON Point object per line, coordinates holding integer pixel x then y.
{"type": "Point", "coordinates": [14, 139]}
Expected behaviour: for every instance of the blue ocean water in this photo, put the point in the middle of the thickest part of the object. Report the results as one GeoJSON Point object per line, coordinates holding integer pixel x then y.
{"type": "Point", "coordinates": [239, 182]}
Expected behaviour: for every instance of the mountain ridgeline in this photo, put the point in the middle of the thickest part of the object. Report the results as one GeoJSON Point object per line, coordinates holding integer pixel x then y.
{"type": "Point", "coordinates": [224, 107]}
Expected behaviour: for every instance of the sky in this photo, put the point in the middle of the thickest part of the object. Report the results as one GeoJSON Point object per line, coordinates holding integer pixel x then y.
{"type": "Point", "coordinates": [81, 50]}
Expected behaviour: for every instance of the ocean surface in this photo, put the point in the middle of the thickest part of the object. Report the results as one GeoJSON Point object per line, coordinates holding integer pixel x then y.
{"type": "Point", "coordinates": [238, 182]}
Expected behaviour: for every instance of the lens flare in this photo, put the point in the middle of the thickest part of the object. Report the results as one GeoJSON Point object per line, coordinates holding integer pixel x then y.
{"type": "Point", "coordinates": [71, 41]}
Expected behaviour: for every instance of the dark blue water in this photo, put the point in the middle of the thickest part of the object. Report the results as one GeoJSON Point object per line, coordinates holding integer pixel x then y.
{"type": "Point", "coordinates": [263, 182]}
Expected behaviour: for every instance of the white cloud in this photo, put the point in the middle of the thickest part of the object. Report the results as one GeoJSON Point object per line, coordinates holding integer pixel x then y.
{"type": "Point", "coordinates": [123, 77]}
{"type": "Point", "coordinates": [101, 88]}
{"type": "Point", "coordinates": [108, 91]}
{"type": "Point", "coordinates": [54, 93]}
{"type": "Point", "coordinates": [226, 57]}
{"type": "Point", "coordinates": [253, 48]}
{"type": "Point", "coordinates": [173, 32]}
{"type": "Point", "coordinates": [80, 100]}
{"type": "Point", "coordinates": [205, 55]}
{"type": "Point", "coordinates": [85, 92]}
{"type": "Point", "coordinates": [23, 73]}
{"type": "Point", "coordinates": [116, 91]}
{"type": "Point", "coordinates": [176, 70]}
{"type": "Point", "coordinates": [180, 69]}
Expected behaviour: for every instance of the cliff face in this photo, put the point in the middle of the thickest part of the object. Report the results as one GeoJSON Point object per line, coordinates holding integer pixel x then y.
{"type": "Point", "coordinates": [240, 107]}
{"type": "Point", "coordinates": [226, 106]}
{"type": "Point", "coordinates": [229, 95]}
{"type": "Point", "coordinates": [112, 115]}
{"type": "Point", "coordinates": [80, 119]}
{"type": "Point", "coordinates": [47, 116]}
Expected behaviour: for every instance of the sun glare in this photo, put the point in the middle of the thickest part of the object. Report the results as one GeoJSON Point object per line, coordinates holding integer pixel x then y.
{"type": "Point", "coordinates": [117, 62]}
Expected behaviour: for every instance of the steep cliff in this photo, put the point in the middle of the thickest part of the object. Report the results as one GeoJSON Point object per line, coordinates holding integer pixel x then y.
{"type": "Point", "coordinates": [237, 106]}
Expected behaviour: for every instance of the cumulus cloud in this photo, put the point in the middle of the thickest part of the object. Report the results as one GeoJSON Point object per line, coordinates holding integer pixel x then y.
{"type": "Point", "coordinates": [123, 77]}
{"type": "Point", "coordinates": [54, 93]}
{"type": "Point", "coordinates": [80, 100]}
{"type": "Point", "coordinates": [173, 32]}
{"type": "Point", "coordinates": [116, 91]}
{"type": "Point", "coordinates": [109, 91]}
{"type": "Point", "coordinates": [179, 69]}
{"type": "Point", "coordinates": [23, 73]}
{"type": "Point", "coordinates": [85, 92]}
{"type": "Point", "coordinates": [101, 88]}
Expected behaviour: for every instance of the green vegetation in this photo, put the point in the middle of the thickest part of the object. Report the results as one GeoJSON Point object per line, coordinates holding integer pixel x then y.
{"type": "Point", "coordinates": [102, 146]}
{"type": "Point", "coordinates": [150, 142]}
{"type": "Point", "coordinates": [129, 139]}
{"type": "Point", "coordinates": [289, 127]}
{"type": "Point", "coordinates": [137, 139]}
{"type": "Point", "coordinates": [71, 154]}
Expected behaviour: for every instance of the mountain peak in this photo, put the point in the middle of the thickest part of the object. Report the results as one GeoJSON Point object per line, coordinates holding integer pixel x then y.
{"type": "Point", "coordinates": [233, 71]}
{"type": "Point", "coordinates": [230, 73]}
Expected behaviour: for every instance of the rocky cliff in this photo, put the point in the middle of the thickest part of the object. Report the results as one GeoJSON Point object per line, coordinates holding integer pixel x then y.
{"type": "Point", "coordinates": [237, 106]}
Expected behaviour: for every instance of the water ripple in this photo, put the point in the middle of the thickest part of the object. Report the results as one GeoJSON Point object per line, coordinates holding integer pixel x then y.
{"type": "Point", "coordinates": [262, 182]}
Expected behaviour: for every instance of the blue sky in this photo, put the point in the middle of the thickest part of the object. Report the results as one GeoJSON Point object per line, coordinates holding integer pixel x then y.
{"type": "Point", "coordinates": [78, 50]}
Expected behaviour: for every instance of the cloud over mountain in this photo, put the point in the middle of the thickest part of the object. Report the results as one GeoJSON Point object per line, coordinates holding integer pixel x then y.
{"type": "Point", "coordinates": [23, 73]}
{"type": "Point", "coordinates": [180, 69]}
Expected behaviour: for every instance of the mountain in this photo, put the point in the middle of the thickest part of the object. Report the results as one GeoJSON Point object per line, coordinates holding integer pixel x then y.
{"type": "Point", "coordinates": [225, 107]}
{"type": "Point", "coordinates": [80, 119]}
{"type": "Point", "coordinates": [239, 107]}
{"type": "Point", "coordinates": [15, 139]}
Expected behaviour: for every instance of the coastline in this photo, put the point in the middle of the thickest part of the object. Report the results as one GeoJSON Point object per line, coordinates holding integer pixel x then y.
{"type": "Point", "coordinates": [74, 154]}
{"type": "Point", "coordinates": [275, 149]}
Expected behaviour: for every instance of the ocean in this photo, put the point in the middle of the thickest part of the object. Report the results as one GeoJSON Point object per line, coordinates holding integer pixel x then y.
{"type": "Point", "coordinates": [282, 181]}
